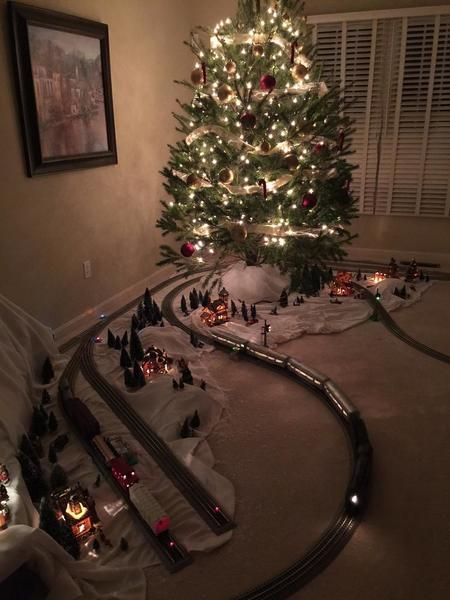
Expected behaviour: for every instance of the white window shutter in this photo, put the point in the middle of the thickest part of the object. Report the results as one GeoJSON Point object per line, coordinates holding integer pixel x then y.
{"type": "Point", "coordinates": [396, 70]}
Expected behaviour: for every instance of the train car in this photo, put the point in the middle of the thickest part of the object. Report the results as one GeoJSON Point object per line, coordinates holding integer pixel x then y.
{"type": "Point", "coordinates": [339, 399]}
{"type": "Point", "coordinates": [228, 339]}
{"type": "Point", "coordinates": [149, 508]}
{"type": "Point", "coordinates": [121, 470]}
{"type": "Point", "coordinates": [268, 356]}
{"type": "Point", "coordinates": [308, 375]}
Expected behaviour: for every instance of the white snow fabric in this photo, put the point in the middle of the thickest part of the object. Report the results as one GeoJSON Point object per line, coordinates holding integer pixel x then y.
{"type": "Point", "coordinates": [315, 316]}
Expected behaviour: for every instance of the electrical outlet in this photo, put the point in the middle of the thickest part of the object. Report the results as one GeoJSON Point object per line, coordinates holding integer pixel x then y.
{"type": "Point", "coordinates": [87, 269]}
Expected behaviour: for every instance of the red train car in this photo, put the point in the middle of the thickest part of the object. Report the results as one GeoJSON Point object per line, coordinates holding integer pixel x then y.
{"type": "Point", "coordinates": [122, 471]}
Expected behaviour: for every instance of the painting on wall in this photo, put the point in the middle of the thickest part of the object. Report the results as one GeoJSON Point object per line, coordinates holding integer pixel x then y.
{"type": "Point", "coordinates": [64, 90]}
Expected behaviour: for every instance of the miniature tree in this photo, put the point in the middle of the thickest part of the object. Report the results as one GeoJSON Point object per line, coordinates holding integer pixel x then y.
{"type": "Point", "coordinates": [206, 299]}
{"type": "Point", "coordinates": [125, 360]}
{"type": "Point", "coordinates": [147, 297]}
{"type": "Point", "coordinates": [61, 442]}
{"type": "Point", "coordinates": [187, 376]}
{"type": "Point", "coordinates": [38, 423]}
{"type": "Point", "coordinates": [52, 423]}
{"type": "Point", "coordinates": [118, 343]}
{"type": "Point", "coordinates": [136, 349]}
{"type": "Point", "coordinates": [111, 339]}
{"type": "Point", "coordinates": [4, 497]}
{"type": "Point", "coordinates": [244, 311]}
{"type": "Point", "coordinates": [52, 456]}
{"type": "Point", "coordinates": [233, 309]}
{"type": "Point", "coordinates": [128, 379]}
{"type": "Point", "coordinates": [193, 299]}
{"type": "Point", "coordinates": [185, 431]}
{"type": "Point", "coordinates": [183, 305]}
{"type": "Point", "coordinates": [27, 448]}
{"type": "Point", "coordinates": [195, 421]}
{"type": "Point", "coordinates": [47, 371]}
{"type": "Point", "coordinates": [123, 544]}
{"type": "Point", "coordinates": [316, 275]}
{"type": "Point", "coordinates": [194, 339]}
{"type": "Point", "coordinates": [157, 311]}
{"type": "Point", "coordinates": [284, 299]}
{"type": "Point", "coordinates": [37, 446]}
{"type": "Point", "coordinates": [124, 340]}
{"type": "Point", "coordinates": [138, 375]}
{"type": "Point", "coordinates": [32, 475]}
{"type": "Point", "coordinates": [200, 297]}
{"type": "Point", "coordinates": [134, 323]}
{"type": "Point", "coordinates": [253, 311]}
{"type": "Point", "coordinates": [48, 520]}
{"type": "Point", "coordinates": [261, 126]}
{"type": "Point", "coordinates": [58, 478]}
{"type": "Point", "coordinates": [45, 398]}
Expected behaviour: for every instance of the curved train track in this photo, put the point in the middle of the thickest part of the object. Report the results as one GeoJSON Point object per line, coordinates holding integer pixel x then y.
{"type": "Point", "coordinates": [394, 328]}
{"type": "Point", "coordinates": [340, 532]}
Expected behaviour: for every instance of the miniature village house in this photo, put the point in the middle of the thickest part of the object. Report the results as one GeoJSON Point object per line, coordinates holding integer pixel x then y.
{"type": "Point", "coordinates": [155, 361]}
{"type": "Point", "coordinates": [216, 313]}
{"type": "Point", "coordinates": [75, 508]}
{"type": "Point", "coordinates": [342, 285]}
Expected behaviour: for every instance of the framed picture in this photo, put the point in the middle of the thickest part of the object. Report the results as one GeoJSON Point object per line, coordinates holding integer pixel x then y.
{"type": "Point", "coordinates": [63, 81]}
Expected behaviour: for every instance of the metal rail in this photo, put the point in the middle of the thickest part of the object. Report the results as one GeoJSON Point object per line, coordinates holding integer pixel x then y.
{"type": "Point", "coordinates": [200, 499]}
{"type": "Point", "coordinates": [392, 326]}
{"type": "Point", "coordinates": [172, 554]}
{"type": "Point", "coordinates": [339, 533]}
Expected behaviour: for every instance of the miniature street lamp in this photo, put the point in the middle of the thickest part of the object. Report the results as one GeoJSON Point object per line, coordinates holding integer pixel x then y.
{"type": "Point", "coordinates": [378, 295]}
{"type": "Point", "coordinates": [266, 328]}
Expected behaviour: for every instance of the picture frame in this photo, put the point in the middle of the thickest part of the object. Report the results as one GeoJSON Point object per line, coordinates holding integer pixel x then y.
{"type": "Point", "coordinates": [63, 79]}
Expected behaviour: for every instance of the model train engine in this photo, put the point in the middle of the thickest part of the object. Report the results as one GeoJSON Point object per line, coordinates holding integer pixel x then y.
{"type": "Point", "coordinates": [120, 469]}
{"type": "Point", "coordinates": [150, 509]}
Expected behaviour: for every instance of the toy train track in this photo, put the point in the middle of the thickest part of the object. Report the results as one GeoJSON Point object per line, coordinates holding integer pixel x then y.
{"type": "Point", "coordinates": [341, 531]}
{"type": "Point", "coordinates": [207, 507]}
{"type": "Point", "coordinates": [394, 328]}
{"type": "Point", "coordinates": [172, 554]}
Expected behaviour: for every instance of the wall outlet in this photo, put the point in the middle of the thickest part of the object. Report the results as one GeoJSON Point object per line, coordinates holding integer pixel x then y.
{"type": "Point", "coordinates": [87, 269]}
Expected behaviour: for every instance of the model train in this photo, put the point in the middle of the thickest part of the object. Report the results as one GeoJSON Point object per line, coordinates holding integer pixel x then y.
{"type": "Point", "coordinates": [357, 491]}
{"type": "Point", "coordinates": [109, 451]}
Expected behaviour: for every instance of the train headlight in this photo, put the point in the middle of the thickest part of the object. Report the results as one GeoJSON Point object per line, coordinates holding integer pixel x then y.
{"type": "Point", "coordinates": [354, 499]}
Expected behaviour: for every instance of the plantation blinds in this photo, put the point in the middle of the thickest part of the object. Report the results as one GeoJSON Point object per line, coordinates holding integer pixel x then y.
{"type": "Point", "coordinates": [395, 68]}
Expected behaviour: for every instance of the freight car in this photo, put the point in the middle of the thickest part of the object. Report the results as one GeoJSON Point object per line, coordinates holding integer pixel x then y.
{"type": "Point", "coordinates": [149, 508]}
{"type": "Point", "coordinates": [120, 469]}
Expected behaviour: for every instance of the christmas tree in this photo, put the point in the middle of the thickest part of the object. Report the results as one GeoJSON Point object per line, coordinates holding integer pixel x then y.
{"type": "Point", "coordinates": [261, 173]}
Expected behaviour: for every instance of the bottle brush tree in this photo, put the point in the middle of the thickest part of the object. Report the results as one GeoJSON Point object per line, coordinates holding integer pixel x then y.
{"type": "Point", "coordinates": [261, 173]}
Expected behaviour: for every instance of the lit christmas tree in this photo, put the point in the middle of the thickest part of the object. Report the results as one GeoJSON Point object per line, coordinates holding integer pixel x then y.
{"type": "Point", "coordinates": [261, 173]}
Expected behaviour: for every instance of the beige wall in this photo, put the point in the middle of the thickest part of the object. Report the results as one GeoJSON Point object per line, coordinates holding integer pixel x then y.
{"type": "Point", "coordinates": [396, 234]}
{"type": "Point", "coordinates": [50, 224]}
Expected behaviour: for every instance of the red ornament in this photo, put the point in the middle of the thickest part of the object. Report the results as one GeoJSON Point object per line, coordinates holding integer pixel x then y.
{"type": "Point", "coordinates": [320, 148]}
{"type": "Point", "coordinates": [267, 83]}
{"type": "Point", "coordinates": [187, 249]}
{"type": "Point", "coordinates": [248, 120]}
{"type": "Point", "coordinates": [309, 200]}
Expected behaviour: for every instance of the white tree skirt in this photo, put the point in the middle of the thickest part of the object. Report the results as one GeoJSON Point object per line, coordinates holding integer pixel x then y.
{"type": "Point", "coordinates": [316, 315]}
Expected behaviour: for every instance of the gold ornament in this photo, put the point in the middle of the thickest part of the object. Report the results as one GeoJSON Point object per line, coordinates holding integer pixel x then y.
{"type": "Point", "coordinates": [193, 181]}
{"type": "Point", "coordinates": [291, 161]}
{"type": "Point", "coordinates": [231, 67]}
{"type": "Point", "coordinates": [238, 232]}
{"type": "Point", "coordinates": [299, 72]}
{"type": "Point", "coordinates": [225, 93]}
{"type": "Point", "coordinates": [197, 76]}
{"type": "Point", "coordinates": [258, 49]}
{"type": "Point", "coordinates": [265, 147]}
{"type": "Point", "coordinates": [226, 176]}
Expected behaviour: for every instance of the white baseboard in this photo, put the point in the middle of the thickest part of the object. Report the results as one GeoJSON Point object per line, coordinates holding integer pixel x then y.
{"type": "Point", "coordinates": [82, 322]}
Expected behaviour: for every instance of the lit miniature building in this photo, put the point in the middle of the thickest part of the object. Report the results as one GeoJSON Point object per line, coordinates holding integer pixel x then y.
{"type": "Point", "coordinates": [74, 507]}
{"type": "Point", "coordinates": [216, 313]}
{"type": "Point", "coordinates": [377, 277]}
{"type": "Point", "coordinates": [342, 285]}
{"type": "Point", "coordinates": [155, 361]}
